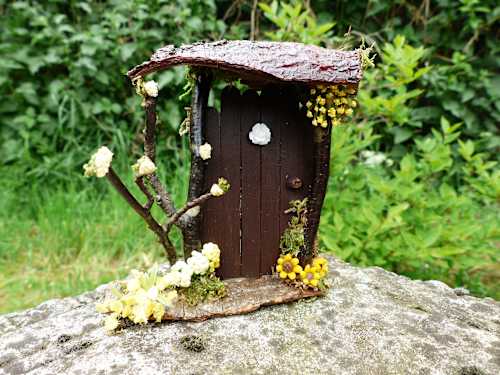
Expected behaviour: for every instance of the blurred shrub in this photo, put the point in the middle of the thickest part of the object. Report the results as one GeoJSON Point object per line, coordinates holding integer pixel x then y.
{"type": "Point", "coordinates": [411, 218]}
{"type": "Point", "coordinates": [406, 192]}
{"type": "Point", "coordinates": [63, 84]}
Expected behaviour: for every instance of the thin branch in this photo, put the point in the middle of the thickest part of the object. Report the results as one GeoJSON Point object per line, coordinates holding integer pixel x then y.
{"type": "Point", "coordinates": [163, 198]}
{"type": "Point", "coordinates": [145, 214]}
{"type": "Point", "coordinates": [140, 182]}
{"type": "Point", "coordinates": [253, 20]}
{"type": "Point", "coordinates": [150, 129]}
{"type": "Point", "coordinates": [195, 202]}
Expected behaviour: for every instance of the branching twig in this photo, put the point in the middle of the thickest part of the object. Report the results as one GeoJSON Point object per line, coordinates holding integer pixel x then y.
{"type": "Point", "coordinates": [163, 198]}
{"type": "Point", "coordinates": [144, 213]}
{"type": "Point", "coordinates": [150, 129]}
{"type": "Point", "coordinates": [140, 182]}
{"type": "Point", "coordinates": [195, 202]}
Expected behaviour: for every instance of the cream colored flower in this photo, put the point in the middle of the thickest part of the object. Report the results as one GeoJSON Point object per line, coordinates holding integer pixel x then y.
{"type": "Point", "coordinates": [99, 163]}
{"type": "Point", "coordinates": [193, 212]}
{"type": "Point", "coordinates": [260, 134]}
{"type": "Point", "coordinates": [184, 272]}
{"type": "Point", "coordinates": [198, 262]}
{"type": "Point", "coordinates": [151, 88]}
{"type": "Point", "coordinates": [205, 151]}
{"type": "Point", "coordinates": [143, 167]}
{"type": "Point", "coordinates": [102, 307]}
{"type": "Point", "coordinates": [152, 293]}
{"type": "Point", "coordinates": [133, 285]}
{"type": "Point", "coordinates": [111, 322]}
{"type": "Point", "coordinates": [216, 190]}
{"type": "Point", "coordinates": [211, 251]}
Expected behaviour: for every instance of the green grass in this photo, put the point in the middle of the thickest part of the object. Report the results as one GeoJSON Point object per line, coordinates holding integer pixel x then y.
{"type": "Point", "coordinates": [56, 243]}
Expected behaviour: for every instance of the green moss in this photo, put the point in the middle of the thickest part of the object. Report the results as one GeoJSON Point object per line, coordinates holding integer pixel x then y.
{"type": "Point", "coordinates": [292, 239]}
{"type": "Point", "coordinates": [203, 288]}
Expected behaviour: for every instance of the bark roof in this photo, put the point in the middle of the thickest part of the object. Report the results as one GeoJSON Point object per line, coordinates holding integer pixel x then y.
{"type": "Point", "coordinates": [261, 61]}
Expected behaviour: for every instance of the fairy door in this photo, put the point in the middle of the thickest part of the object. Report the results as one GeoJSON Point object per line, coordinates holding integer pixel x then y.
{"type": "Point", "coordinates": [247, 222]}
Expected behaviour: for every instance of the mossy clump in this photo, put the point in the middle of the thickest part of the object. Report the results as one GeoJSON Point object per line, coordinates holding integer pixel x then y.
{"type": "Point", "coordinates": [292, 239]}
{"type": "Point", "coordinates": [203, 288]}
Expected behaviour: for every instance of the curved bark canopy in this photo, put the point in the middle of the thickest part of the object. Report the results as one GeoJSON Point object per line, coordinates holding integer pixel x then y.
{"type": "Point", "coordinates": [261, 62]}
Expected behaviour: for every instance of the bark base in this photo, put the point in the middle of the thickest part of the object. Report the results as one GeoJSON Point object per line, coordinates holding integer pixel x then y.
{"type": "Point", "coordinates": [244, 295]}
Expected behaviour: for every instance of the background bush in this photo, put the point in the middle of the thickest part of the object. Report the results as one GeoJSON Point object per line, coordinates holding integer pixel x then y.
{"type": "Point", "coordinates": [430, 109]}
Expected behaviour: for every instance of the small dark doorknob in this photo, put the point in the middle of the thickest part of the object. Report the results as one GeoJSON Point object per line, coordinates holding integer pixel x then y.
{"type": "Point", "coordinates": [293, 182]}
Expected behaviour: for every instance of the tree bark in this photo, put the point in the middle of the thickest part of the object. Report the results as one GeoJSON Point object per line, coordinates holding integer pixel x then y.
{"type": "Point", "coordinates": [163, 199]}
{"type": "Point", "coordinates": [322, 139]}
{"type": "Point", "coordinates": [150, 129]}
{"type": "Point", "coordinates": [144, 213]}
{"type": "Point", "coordinates": [191, 225]}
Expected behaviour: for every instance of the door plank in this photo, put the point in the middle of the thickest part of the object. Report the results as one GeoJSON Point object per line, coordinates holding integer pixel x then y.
{"type": "Point", "coordinates": [230, 169]}
{"type": "Point", "coordinates": [250, 188]}
{"type": "Point", "coordinates": [212, 215]}
{"type": "Point", "coordinates": [270, 181]}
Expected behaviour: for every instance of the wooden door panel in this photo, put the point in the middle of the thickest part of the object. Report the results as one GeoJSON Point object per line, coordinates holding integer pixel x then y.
{"type": "Point", "coordinates": [229, 168]}
{"type": "Point", "coordinates": [248, 221]}
{"type": "Point", "coordinates": [250, 188]}
{"type": "Point", "coordinates": [272, 116]}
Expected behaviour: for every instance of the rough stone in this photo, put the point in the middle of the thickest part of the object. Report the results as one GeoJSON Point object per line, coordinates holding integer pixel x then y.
{"type": "Point", "coordinates": [370, 322]}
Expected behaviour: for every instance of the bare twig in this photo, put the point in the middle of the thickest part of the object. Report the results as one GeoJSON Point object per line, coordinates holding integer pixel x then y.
{"type": "Point", "coordinates": [195, 202]}
{"type": "Point", "coordinates": [163, 198]}
{"type": "Point", "coordinates": [253, 20]}
{"type": "Point", "coordinates": [150, 129]}
{"type": "Point", "coordinates": [144, 213]}
{"type": "Point", "coordinates": [140, 182]}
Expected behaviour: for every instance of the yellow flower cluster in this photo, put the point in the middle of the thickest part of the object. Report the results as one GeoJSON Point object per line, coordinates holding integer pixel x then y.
{"type": "Point", "coordinates": [333, 102]}
{"type": "Point", "coordinates": [310, 276]}
{"type": "Point", "coordinates": [288, 267]}
{"type": "Point", "coordinates": [141, 298]}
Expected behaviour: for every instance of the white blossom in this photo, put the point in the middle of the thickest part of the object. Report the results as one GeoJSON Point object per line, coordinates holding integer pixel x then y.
{"type": "Point", "coordinates": [133, 285]}
{"type": "Point", "coordinates": [184, 271]}
{"type": "Point", "coordinates": [99, 163]}
{"type": "Point", "coordinates": [198, 262]}
{"type": "Point", "coordinates": [144, 166]}
{"type": "Point", "coordinates": [193, 212]}
{"type": "Point", "coordinates": [205, 151]}
{"type": "Point", "coordinates": [171, 279]}
{"type": "Point", "coordinates": [372, 158]}
{"type": "Point", "coordinates": [211, 251]}
{"type": "Point", "coordinates": [216, 190]}
{"type": "Point", "coordinates": [153, 293]}
{"type": "Point", "coordinates": [260, 134]}
{"type": "Point", "coordinates": [151, 88]}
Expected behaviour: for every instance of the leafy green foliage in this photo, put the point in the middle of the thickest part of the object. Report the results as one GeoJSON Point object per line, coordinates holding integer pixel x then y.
{"type": "Point", "coordinates": [295, 23]}
{"type": "Point", "coordinates": [411, 219]}
{"type": "Point", "coordinates": [63, 84]}
{"type": "Point", "coordinates": [434, 214]}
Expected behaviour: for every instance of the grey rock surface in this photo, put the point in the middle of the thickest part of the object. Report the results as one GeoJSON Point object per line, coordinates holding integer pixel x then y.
{"type": "Point", "coordinates": [370, 322]}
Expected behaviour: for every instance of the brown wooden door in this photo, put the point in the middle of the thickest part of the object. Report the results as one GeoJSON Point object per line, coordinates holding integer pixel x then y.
{"type": "Point", "coordinates": [247, 222]}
